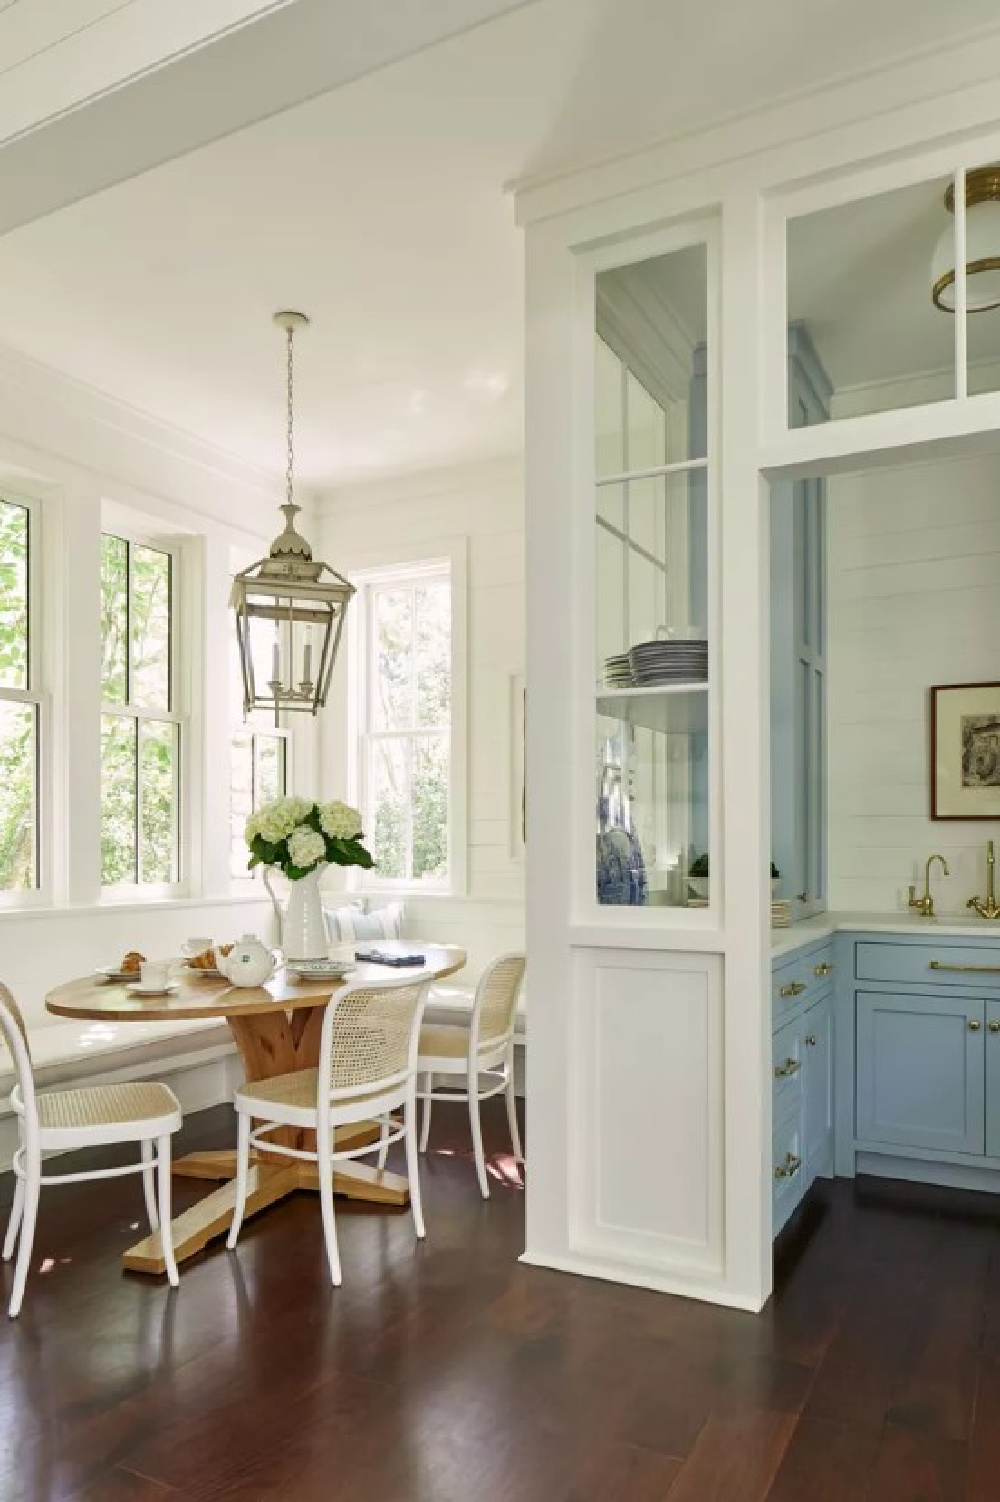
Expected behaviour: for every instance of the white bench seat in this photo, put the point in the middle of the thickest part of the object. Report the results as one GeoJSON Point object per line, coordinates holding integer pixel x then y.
{"type": "Point", "coordinates": [451, 1004]}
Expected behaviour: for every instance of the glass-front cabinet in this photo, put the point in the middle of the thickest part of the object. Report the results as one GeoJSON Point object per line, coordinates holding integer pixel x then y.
{"type": "Point", "coordinates": [653, 649]}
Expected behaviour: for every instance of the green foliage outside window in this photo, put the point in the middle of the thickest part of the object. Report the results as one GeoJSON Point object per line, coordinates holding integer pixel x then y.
{"type": "Point", "coordinates": [18, 719]}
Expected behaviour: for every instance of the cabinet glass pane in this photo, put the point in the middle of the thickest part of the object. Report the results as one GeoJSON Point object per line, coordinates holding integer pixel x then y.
{"type": "Point", "coordinates": [860, 281]}
{"type": "Point", "coordinates": [651, 551]}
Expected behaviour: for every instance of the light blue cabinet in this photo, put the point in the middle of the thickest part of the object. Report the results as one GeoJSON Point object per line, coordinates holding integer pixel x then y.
{"type": "Point", "coordinates": [993, 1078]}
{"type": "Point", "coordinates": [920, 1075]}
{"type": "Point", "coordinates": [817, 1089]}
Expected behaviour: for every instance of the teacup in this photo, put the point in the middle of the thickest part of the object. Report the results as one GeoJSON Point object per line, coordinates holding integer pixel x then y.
{"type": "Point", "coordinates": [154, 975]}
{"type": "Point", "coordinates": [197, 946]}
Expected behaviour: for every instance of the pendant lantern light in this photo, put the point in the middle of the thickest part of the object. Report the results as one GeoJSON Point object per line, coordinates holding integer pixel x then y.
{"type": "Point", "coordinates": [982, 245]}
{"type": "Point", "coordinates": [289, 608]}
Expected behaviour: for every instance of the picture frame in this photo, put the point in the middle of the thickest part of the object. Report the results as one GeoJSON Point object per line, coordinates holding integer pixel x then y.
{"type": "Point", "coordinates": [965, 751]}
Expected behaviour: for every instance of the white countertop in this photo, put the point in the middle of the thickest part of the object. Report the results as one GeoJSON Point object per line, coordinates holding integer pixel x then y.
{"type": "Point", "coordinates": [813, 930]}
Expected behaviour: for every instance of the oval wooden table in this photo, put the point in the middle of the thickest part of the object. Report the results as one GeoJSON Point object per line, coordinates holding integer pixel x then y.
{"type": "Point", "coordinates": [277, 1029]}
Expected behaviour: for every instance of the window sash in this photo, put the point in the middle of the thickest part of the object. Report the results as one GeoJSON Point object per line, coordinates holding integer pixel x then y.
{"type": "Point", "coordinates": [33, 696]}
{"type": "Point", "coordinates": [139, 714]}
{"type": "Point", "coordinates": [408, 578]}
{"type": "Point", "coordinates": [244, 732]}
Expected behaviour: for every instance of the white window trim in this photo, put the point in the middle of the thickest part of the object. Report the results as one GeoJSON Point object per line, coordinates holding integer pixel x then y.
{"type": "Point", "coordinates": [37, 693]}
{"type": "Point", "coordinates": [178, 714]}
{"type": "Point", "coordinates": [378, 569]}
{"type": "Point", "coordinates": [250, 883]}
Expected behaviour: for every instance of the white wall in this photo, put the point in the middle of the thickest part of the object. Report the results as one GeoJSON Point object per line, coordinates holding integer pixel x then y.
{"type": "Point", "coordinates": [417, 516]}
{"type": "Point", "coordinates": [81, 454]}
{"type": "Point", "coordinates": [914, 600]}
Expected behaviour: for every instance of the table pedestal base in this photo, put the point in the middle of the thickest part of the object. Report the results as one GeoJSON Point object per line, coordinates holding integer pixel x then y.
{"type": "Point", "coordinates": [271, 1180]}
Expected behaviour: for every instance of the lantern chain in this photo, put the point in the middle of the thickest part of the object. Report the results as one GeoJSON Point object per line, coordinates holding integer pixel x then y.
{"type": "Point", "coordinates": [290, 391]}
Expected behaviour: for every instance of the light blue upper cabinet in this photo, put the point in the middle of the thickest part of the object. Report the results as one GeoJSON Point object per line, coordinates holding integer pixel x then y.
{"type": "Point", "coordinates": [798, 651]}
{"type": "Point", "coordinates": [920, 1072]}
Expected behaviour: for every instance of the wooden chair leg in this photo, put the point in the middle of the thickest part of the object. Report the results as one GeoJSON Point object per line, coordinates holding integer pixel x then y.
{"type": "Point", "coordinates": [166, 1231]}
{"type": "Point", "coordinates": [477, 1135]}
{"type": "Point", "coordinates": [425, 1130]}
{"type": "Point", "coordinates": [14, 1223]}
{"type": "Point", "coordinates": [149, 1186]}
{"type": "Point", "coordinates": [29, 1214]}
{"type": "Point", "coordinates": [243, 1124]}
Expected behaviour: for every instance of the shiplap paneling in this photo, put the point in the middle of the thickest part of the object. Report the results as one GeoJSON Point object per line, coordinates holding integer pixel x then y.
{"type": "Point", "coordinates": [914, 600]}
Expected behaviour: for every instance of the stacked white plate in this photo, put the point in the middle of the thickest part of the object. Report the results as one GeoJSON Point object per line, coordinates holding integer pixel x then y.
{"type": "Point", "coordinates": [617, 671]}
{"type": "Point", "coordinates": [655, 662]}
{"type": "Point", "coordinates": [781, 913]}
{"type": "Point", "coordinates": [318, 969]}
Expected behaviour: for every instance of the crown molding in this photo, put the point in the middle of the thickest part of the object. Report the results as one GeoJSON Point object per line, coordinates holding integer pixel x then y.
{"type": "Point", "coordinates": [952, 72]}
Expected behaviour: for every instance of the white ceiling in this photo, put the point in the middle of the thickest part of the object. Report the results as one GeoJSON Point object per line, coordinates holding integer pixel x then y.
{"type": "Point", "coordinates": [378, 209]}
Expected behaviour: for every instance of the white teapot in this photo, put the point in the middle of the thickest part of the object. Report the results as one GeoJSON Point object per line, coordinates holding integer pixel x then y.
{"type": "Point", "coordinates": [248, 963]}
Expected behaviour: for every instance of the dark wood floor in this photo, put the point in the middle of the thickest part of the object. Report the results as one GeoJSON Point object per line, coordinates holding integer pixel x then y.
{"type": "Point", "coordinates": [450, 1373]}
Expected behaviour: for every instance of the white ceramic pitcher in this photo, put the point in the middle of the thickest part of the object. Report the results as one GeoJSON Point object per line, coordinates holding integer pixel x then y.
{"type": "Point", "coordinates": [301, 924]}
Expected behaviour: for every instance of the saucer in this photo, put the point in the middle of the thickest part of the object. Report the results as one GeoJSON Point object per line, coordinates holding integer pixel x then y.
{"type": "Point", "coordinates": [140, 990]}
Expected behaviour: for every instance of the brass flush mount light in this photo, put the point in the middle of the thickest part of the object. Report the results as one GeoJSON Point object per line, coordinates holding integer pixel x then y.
{"type": "Point", "coordinates": [982, 245]}
{"type": "Point", "coordinates": [289, 608]}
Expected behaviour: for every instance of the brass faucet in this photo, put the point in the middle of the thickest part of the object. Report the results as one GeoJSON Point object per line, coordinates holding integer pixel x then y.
{"type": "Point", "coordinates": [987, 909]}
{"type": "Point", "coordinates": [925, 904]}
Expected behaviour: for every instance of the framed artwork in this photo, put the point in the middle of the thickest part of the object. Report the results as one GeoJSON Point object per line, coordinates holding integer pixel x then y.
{"type": "Point", "coordinates": [965, 751]}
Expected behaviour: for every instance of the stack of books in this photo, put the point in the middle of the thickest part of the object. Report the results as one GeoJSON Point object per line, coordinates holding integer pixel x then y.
{"type": "Point", "coordinates": [781, 912]}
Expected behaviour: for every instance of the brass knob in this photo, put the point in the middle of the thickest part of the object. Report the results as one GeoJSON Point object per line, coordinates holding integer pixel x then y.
{"type": "Point", "coordinates": [794, 988]}
{"type": "Point", "coordinates": [802, 897]}
{"type": "Point", "coordinates": [994, 1027]}
{"type": "Point", "coordinates": [810, 1038]}
{"type": "Point", "coordinates": [974, 1024]}
{"type": "Point", "coordinates": [789, 1067]}
{"type": "Point", "coordinates": [823, 969]}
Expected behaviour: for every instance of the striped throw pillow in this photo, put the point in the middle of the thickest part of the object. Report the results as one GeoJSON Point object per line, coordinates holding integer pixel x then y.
{"type": "Point", "coordinates": [348, 925]}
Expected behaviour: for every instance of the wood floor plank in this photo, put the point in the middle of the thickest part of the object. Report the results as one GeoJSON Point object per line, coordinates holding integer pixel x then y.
{"type": "Point", "coordinates": [736, 1458]}
{"type": "Point", "coordinates": [825, 1462]}
{"type": "Point", "coordinates": [914, 1467]}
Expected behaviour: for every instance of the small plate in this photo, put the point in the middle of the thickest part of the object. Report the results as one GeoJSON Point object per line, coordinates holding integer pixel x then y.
{"type": "Point", "coordinates": [168, 990]}
{"type": "Point", "coordinates": [319, 969]}
{"type": "Point", "coordinates": [112, 973]}
{"type": "Point", "coordinates": [199, 970]}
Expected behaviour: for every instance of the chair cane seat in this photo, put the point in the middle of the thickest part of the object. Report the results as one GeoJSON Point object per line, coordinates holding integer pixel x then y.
{"type": "Point", "coordinates": [293, 1092]}
{"type": "Point", "coordinates": [448, 1040]}
{"type": "Point", "coordinates": [132, 1103]}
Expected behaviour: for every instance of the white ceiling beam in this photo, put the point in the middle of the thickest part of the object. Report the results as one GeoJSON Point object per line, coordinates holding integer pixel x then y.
{"type": "Point", "coordinates": [134, 84]}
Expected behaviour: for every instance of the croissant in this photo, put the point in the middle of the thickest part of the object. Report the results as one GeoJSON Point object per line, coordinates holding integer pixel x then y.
{"type": "Point", "coordinates": [132, 962]}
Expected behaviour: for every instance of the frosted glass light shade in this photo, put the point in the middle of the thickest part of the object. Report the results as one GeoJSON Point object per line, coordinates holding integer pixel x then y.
{"type": "Point", "coordinates": [982, 247]}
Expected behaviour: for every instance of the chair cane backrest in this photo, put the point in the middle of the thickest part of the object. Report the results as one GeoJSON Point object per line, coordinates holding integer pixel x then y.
{"type": "Point", "coordinates": [15, 1035]}
{"type": "Point", "coordinates": [495, 1008]}
{"type": "Point", "coordinates": [370, 1036]}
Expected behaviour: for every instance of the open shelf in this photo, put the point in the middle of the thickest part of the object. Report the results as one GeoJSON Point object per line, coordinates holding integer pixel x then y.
{"type": "Point", "coordinates": [673, 708]}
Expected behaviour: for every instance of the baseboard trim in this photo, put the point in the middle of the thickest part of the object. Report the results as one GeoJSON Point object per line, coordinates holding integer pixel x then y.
{"type": "Point", "coordinates": [633, 1276]}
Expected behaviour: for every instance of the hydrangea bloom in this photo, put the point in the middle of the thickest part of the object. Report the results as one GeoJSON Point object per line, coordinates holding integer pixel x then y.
{"type": "Point", "coordinates": [339, 820]}
{"type": "Point", "coordinates": [306, 846]}
{"type": "Point", "coordinates": [276, 820]}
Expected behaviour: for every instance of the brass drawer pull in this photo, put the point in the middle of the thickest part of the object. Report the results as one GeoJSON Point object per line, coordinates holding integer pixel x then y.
{"type": "Point", "coordinates": [966, 969]}
{"type": "Point", "coordinates": [794, 988]}
{"type": "Point", "coordinates": [810, 1038]}
{"type": "Point", "coordinates": [974, 1024]}
{"type": "Point", "coordinates": [994, 1027]}
{"type": "Point", "coordinates": [788, 1068]}
{"type": "Point", "coordinates": [823, 969]}
{"type": "Point", "coordinates": [789, 1168]}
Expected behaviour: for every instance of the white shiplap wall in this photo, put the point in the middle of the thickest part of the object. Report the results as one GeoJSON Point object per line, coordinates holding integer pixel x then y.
{"type": "Point", "coordinates": [914, 575]}
{"type": "Point", "coordinates": [415, 516]}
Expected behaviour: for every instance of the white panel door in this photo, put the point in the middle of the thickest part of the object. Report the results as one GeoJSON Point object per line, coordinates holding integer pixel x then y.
{"type": "Point", "coordinates": [648, 1113]}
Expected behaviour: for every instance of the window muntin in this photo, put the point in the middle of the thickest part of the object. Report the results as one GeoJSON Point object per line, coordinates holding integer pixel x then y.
{"type": "Point", "coordinates": [406, 736]}
{"type": "Point", "coordinates": [140, 728]}
{"type": "Point", "coordinates": [20, 703]}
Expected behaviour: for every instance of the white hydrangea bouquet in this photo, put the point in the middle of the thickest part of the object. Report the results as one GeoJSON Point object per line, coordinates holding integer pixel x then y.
{"type": "Point", "coordinates": [298, 835]}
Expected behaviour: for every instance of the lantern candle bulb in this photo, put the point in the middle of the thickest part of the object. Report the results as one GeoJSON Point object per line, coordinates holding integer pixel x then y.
{"type": "Point", "coordinates": [307, 662]}
{"type": "Point", "coordinates": [275, 664]}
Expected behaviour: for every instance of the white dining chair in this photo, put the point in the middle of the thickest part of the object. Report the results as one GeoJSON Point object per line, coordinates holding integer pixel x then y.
{"type": "Point", "coordinates": [367, 1070]}
{"type": "Point", "coordinates": [90, 1116]}
{"type": "Point", "coordinates": [481, 1051]}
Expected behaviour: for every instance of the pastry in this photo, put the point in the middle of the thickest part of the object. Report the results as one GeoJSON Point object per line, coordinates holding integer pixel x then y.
{"type": "Point", "coordinates": [132, 963]}
{"type": "Point", "coordinates": [206, 960]}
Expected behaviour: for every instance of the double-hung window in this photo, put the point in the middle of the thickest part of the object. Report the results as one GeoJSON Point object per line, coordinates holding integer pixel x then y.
{"type": "Point", "coordinates": [20, 701]}
{"type": "Point", "coordinates": [259, 767]}
{"type": "Point", "coordinates": [140, 728]}
{"type": "Point", "coordinates": [405, 745]}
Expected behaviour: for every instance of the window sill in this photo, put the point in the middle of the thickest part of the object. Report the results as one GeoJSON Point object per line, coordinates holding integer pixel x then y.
{"type": "Point", "coordinates": [139, 905]}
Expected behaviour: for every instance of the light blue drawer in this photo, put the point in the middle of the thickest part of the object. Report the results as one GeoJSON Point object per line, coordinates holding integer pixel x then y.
{"type": "Point", "coordinates": [786, 1061]}
{"type": "Point", "coordinates": [800, 980]}
{"type": "Point", "coordinates": [975, 966]}
{"type": "Point", "coordinates": [788, 1172]}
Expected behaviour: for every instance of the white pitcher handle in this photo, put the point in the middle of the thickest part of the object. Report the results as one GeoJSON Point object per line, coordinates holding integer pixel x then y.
{"type": "Point", "coordinates": [274, 901]}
